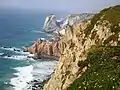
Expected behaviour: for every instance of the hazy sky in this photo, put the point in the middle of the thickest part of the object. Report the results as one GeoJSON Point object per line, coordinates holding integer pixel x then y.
{"type": "Point", "coordinates": [59, 5]}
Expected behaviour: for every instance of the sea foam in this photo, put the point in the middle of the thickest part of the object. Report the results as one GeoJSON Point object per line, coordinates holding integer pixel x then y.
{"type": "Point", "coordinates": [16, 50]}
{"type": "Point", "coordinates": [39, 70]}
{"type": "Point", "coordinates": [21, 55]}
{"type": "Point", "coordinates": [38, 31]}
{"type": "Point", "coordinates": [24, 75]}
{"type": "Point", "coordinates": [1, 54]}
{"type": "Point", "coordinates": [43, 69]}
{"type": "Point", "coordinates": [10, 48]}
{"type": "Point", "coordinates": [18, 57]}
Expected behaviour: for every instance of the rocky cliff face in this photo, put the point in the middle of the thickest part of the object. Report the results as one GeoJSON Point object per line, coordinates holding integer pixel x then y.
{"type": "Point", "coordinates": [45, 49]}
{"type": "Point", "coordinates": [52, 24]}
{"type": "Point", "coordinates": [51, 49]}
{"type": "Point", "coordinates": [102, 30]}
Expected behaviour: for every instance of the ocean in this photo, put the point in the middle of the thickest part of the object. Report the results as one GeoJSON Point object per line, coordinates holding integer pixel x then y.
{"type": "Point", "coordinates": [17, 30]}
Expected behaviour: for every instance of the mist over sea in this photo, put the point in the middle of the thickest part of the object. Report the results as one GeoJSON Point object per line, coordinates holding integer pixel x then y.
{"type": "Point", "coordinates": [19, 29]}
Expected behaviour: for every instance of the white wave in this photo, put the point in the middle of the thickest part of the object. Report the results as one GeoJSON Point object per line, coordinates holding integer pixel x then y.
{"type": "Point", "coordinates": [43, 69]}
{"type": "Point", "coordinates": [31, 55]}
{"type": "Point", "coordinates": [50, 35]}
{"type": "Point", "coordinates": [42, 39]}
{"type": "Point", "coordinates": [36, 31]}
{"type": "Point", "coordinates": [1, 54]}
{"type": "Point", "coordinates": [18, 57]}
{"type": "Point", "coordinates": [24, 75]}
{"type": "Point", "coordinates": [36, 71]}
{"type": "Point", "coordinates": [24, 53]}
{"type": "Point", "coordinates": [10, 48]}
{"type": "Point", "coordinates": [16, 50]}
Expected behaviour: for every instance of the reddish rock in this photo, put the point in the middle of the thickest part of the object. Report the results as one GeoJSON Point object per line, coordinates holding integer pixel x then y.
{"type": "Point", "coordinates": [45, 49]}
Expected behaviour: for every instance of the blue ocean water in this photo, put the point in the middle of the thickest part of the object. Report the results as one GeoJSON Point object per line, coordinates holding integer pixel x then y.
{"type": "Point", "coordinates": [19, 29]}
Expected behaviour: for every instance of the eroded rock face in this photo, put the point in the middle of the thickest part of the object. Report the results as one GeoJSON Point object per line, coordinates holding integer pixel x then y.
{"type": "Point", "coordinates": [52, 24]}
{"type": "Point", "coordinates": [67, 69]}
{"type": "Point", "coordinates": [74, 47]}
{"type": "Point", "coordinates": [45, 49]}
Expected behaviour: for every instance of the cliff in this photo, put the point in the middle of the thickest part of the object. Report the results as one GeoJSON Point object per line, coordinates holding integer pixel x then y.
{"type": "Point", "coordinates": [51, 49]}
{"type": "Point", "coordinates": [45, 49]}
{"type": "Point", "coordinates": [90, 55]}
{"type": "Point", "coordinates": [52, 24]}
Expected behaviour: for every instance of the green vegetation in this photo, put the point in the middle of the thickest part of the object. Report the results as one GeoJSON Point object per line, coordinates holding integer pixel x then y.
{"type": "Point", "coordinates": [111, 14]}
{"type": "Point", "coordinates": [103, 62]}
{"type": "Point", "coordinates": [103, 70]}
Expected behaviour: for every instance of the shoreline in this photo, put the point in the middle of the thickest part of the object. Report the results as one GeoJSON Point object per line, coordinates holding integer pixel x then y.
{"type": "Point", "coordinates": [48, 49]}
{"type": "Point", "coordinates": [37, 85]}
{"type": "Point", "coordinates": [40, 70]}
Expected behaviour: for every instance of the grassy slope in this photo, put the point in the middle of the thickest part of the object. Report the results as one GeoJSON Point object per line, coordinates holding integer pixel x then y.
{"type": "Point", "coordinates": [103, 62]}
{"type": "Point", "coordinates": [111, 14]}
{"type": "Point", "coordinates": [103, 70]}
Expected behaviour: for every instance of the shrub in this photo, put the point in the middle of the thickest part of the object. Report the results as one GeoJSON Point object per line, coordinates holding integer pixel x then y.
{"type": "Point", "coordinates": [103, 72]}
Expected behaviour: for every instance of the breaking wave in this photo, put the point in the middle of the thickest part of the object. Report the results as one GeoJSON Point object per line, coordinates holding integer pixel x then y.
{"type": "Point", "coordinates": [37, 71]}
{"type": "Point", "coordinates": [14, 49]}
{"type": "Point", "coordinates": [23, 76]}
{"type": "Point", "coordinates": [18, 57]}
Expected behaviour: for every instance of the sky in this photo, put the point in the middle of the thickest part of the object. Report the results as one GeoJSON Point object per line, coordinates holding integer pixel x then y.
{"type": "Point", "coordinates": [59, 5]}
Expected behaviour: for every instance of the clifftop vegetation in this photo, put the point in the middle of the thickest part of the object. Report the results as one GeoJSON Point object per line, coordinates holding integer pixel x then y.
{"type": "Point", "coordinates": [111, 14]}
{"type": "Point", "coordinates": [103, 70]}
{"type": "Point", "coordinates": [103, 62]}
{"type": "Point", "coordinates": [91, 55]}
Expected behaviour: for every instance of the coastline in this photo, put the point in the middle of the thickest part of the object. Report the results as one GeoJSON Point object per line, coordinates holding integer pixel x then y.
{"type": "Point", "coordinates": [76, 52]}
{"type": "Point", "coordinates": [38, 70]}
{"type": "Point", "coordinates": [52, 49]}
{"type": "Point", "coordinates": [15, 64]}
{"type": "Point", "coordinates": [37, 85]}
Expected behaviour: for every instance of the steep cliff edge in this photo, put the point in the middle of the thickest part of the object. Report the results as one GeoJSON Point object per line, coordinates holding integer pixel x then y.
{"type": "Point", "coordinates": [51, 48]}
{"type": "Point", "coordinates": [89, 53]}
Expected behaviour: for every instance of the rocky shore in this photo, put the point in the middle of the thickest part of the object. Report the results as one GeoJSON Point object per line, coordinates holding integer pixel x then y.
{"type": "Point", "coordinates": [37, 85]}
{"type": "Point", "coordinates": [53, 49]}
{"type": "Point", "coordinates": [50, 49]}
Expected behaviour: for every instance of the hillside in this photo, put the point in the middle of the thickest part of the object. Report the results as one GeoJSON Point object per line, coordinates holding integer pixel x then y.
{"type": "Point", "coordinates": [90, 55]}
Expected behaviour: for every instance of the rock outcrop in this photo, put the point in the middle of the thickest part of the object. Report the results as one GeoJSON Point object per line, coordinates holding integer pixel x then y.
{"type": "Point", "coordinates": [102, 30]}
{"type": "Point", "coordinates": [51, 24]}
{"type": "Point", "coordinates": [45, 49]}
